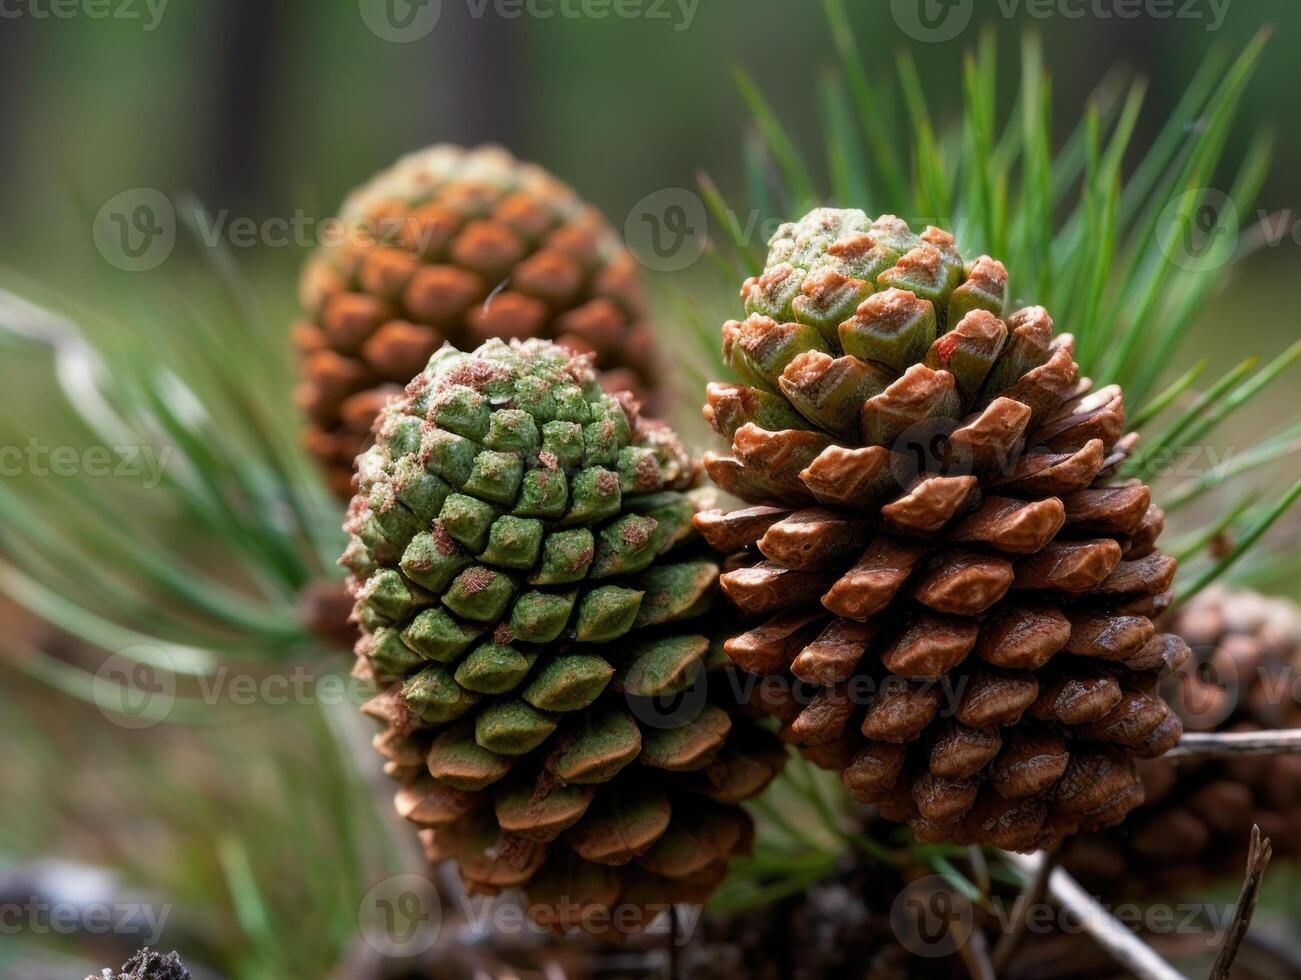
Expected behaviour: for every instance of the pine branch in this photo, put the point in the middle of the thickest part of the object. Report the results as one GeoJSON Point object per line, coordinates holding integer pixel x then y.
{"type": "Point", "coordinates": [205, 404]}
{"type": "Point", "coordinates": [1221, 745]}
{"type": "Point", "coordinates": [975, 957]}
{"type": "Point", "coordinates": [1108, 931]}
{"type": "Point", "coordinates": [1257, 861]}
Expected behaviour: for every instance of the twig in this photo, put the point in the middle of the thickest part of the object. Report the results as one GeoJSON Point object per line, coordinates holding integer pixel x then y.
{"type": "Point", "coordinates": [1130, 951]}
{"type": "Point", "coordinates": [1257, 861]}
{"type": "Point", "coordinates": [1031, 895]}
{"type": "Point", "coordinates": [1220, 744]}
{"type": "Point", "coordinates": [975, 956]}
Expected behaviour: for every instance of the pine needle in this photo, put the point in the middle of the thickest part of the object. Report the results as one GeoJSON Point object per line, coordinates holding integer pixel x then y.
{"type": "Point", "coordinates": [778, 141]}
{"type": "Point", "coordinates": [1241, 548]}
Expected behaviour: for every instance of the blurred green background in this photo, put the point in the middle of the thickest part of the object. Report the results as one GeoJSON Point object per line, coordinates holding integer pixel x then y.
{"type": "Point", "coordinates": [271, 110]}
{"type": "Point", "coordinates": [262, 109]}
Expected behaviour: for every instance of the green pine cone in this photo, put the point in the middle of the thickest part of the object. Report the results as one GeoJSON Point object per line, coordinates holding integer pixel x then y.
{"type": "Point", "coordinates": [526, 570]}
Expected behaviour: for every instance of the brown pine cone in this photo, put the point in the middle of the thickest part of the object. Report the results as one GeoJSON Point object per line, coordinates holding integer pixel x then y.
{"type": "Point", "coordinates": [938, 561]}
{"type": "Point", "coordinates": [457, 246]}
{"type": "Point", "coordinates": [1196, 824]}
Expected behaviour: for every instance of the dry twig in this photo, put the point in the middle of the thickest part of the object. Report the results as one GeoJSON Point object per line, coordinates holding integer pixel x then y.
{"type": "Point", "coordinates": [1109, 932]}
{"type": "Point", "coordinates": [1220, 744]}
{"type": "Point", "coordinates": [1257, 861]}
{"type": "Point", "coordinates": [1036, 888]}
{"type": "Point", "coordinates": [975, 956]}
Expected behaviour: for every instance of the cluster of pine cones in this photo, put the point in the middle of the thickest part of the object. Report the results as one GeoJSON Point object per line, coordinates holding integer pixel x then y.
{"type": "Point", "coordinates": [937, 585]}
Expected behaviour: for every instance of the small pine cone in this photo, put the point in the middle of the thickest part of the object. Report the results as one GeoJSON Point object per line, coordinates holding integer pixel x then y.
{"type": "Point", "coordinates": [148, 965]}
{"type": "Point", "coordinates": [456, 246]}
{"type": "Point", "coordinates": [937, 559]}
{"type": "Point", "coordinates": [1195, 827]}
{"type": "Point", "coordinates": [528, 579]}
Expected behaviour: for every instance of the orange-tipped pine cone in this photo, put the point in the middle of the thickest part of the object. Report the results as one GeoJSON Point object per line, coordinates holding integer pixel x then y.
{"type": "Point", "coordinates": [939, 561]}
{"type": "Point", "coordinates": [1196, 824]}
{"type": "Point", "coordinates": [530, 588]}
{"type": "Point", "coordinates": [457, 246]}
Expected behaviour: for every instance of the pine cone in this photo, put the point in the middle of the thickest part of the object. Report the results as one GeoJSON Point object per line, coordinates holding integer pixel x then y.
{"type": "Point", "coordinates": [148, 965]}
{"type": "Point", "coordinates": [937, 554]}
{"type": "Point", "coordinates": [525, 573]}
{"type": "Point", "coordinates": [1196, 824]}
{"type": "Point", "coordinates": [458, 246]}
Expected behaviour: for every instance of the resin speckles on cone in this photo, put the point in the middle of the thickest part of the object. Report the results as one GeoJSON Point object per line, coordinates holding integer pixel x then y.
{"type": "Point", "coordinates": [457, 246]}
{"type": "Point", "coordinates": [529, 584]}
{"type": "Point", "coordinates": [938, 563]}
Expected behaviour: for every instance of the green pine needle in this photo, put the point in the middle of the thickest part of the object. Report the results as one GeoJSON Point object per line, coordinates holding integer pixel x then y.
{"type": "Point", "coordinates": [1276, 448]}
{"type": "Point", "coordinates": [1185, 550]}
{"type": "Point", "coordinates": [799, 183]}
{"type": "Point", "coordinates": [206, 556]}
{"type": "Point", "coordinates": [1172, 394]}
{"type": "Point", "coordinates": [1243, 547]}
